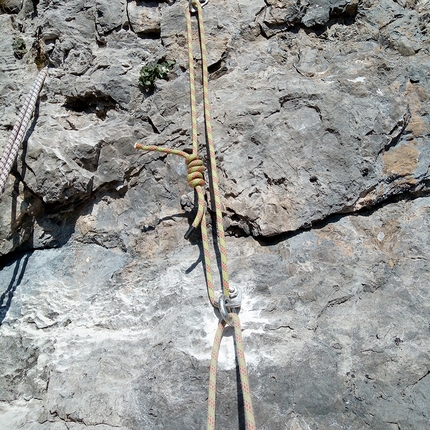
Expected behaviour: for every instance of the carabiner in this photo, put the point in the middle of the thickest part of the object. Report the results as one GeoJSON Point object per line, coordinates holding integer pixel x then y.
{"type": "Point", "coordinates": [223, 310]}
{"type": "Point", "coordinates": [202, 3]}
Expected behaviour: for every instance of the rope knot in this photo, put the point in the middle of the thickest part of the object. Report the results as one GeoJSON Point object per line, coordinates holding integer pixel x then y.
{"type": "Point", "coordinates": [195, 169]}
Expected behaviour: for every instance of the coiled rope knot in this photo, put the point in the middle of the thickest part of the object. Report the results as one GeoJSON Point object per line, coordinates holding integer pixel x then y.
{"type": "Point", "coordinates": [195, 178]}
{"type": "Point", "coordinates": [195, 169]}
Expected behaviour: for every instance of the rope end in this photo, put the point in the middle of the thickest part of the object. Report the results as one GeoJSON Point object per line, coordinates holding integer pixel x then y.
{"type": "Point", "coordinates": [189, 232]}
{"type": "Point", "coordinates": [138, 145]}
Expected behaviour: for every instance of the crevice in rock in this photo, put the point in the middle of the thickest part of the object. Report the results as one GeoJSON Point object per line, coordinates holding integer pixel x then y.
{"type": "Point", "coordinates": [219, 68]}
{"type": "Point", "coordinates": [394, 423]}
{"type": "Point", "coordinates": [128, 25]}
{"type": "Point", "coordinates": [337, 16]}
{"type": "Point", "coordinates": [295, 19]}
{"type": "Point", "coordinates": [335, 302]}
{"type": "Point", "coordinates": [393, 19]}
{"type": "Point", "coordinates": [335, 217]}
{"type": "Point", "coordinates": [397, 132]}
{"type": "Point", "coordinates": [241, 226]}
{"type": "Point", "coordinates": [90, 161]}
{"type": "Point", "coordinates": [296, 102]}
{"type": "Point", "coordinates": [276, 181]}
{"type": "Point", "coordinates": [111, 241]}
{"type": "Point", "coordinates": [154, 127]}
{"type": "Point", "coordinates": [91, 102]}
{"type": "Point", "coordinates": [58, 220]}
{"type": "Point", "coordinates": [109, 32]}
{"type": "Point", "coordinates": [149, 35]}
{"type": "Point", "coordinates": [38, 49]}
{"type": "Point", "coordinates": [69, 418]}
{"type": "Point", "coordinates": [420, 379]}
{"type": "Point", "coordinates": [35, 12]}
{"type": "Point", "coordinates": [25, 167]}
{"type": "Point", "coordinates": [279, 327]}
{"type": "Point", "coordinates": [101, 41]}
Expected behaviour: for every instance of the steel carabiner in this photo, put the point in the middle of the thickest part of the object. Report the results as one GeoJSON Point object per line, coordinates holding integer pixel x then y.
{"type": "Point", "coordinates": [202, 3]}
{"type": "Point", "coordinates": [223, 310]}
{"type": "Point", "coordinates": [229, 304]}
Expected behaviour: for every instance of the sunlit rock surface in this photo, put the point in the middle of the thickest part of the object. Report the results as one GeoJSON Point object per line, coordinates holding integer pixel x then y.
{"type": "Point", "coordinates": [321, 123]}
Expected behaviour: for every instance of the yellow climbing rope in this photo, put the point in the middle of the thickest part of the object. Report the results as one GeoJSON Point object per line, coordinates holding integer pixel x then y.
{"type": "Point", "coordinates": [228, 302]}
{"type": "Point", "coordinates": [232, 317]}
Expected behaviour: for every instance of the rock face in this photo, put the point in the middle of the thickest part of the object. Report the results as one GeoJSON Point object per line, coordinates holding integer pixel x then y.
{"type": "Point", "coordinates": [321, 123]}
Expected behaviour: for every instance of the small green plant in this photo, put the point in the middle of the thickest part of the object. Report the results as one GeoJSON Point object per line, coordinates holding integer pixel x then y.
{"type": "Point", "coordinates": [67, 322]}
{"type": "Point", "coordinates": [155, 70]}
{"type": "Point", "coordinates": [19, 47]}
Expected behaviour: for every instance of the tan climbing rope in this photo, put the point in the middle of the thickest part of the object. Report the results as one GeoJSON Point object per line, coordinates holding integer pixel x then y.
{"type": "Point", "coordinates": [18, 132]}
{"type": "Point", "coordinates": [229, 301]}
{"type": "Point", "coordinates": [228, 317]}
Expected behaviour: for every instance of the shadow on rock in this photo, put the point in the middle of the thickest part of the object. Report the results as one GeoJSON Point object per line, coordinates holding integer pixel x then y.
{"type": "Point", "coordinates": [18, 274]}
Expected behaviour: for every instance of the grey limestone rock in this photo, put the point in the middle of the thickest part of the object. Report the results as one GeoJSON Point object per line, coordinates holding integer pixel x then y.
{"type": "Point", "coordinates": [335, 322]}
{"type": "Point", "coordinates": [144, 17]}
{"type": "Point", "coordinates": [320, 114]}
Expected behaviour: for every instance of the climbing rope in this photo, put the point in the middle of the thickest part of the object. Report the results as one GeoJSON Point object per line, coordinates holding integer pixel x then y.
{"type": "Point", "coordinates": [230, 318]}
{"type": "Point", "coordinates": [229, 301]}
{"type": "Point", "coordinates": [19, 129]}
